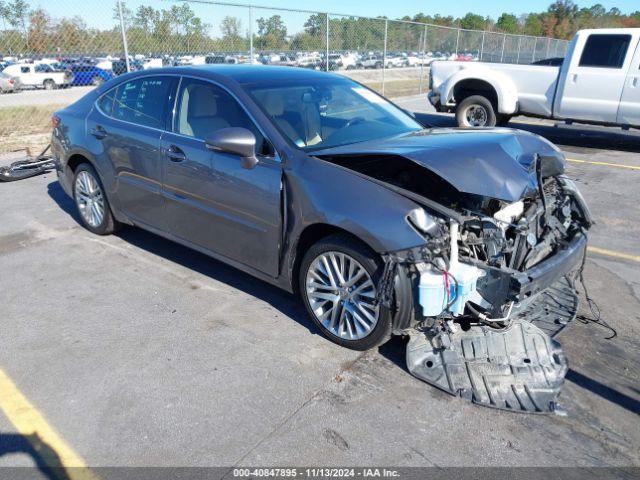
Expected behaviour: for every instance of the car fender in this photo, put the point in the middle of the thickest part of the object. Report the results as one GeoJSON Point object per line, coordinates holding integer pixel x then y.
{"type": "Point", "coordinates": [324, 193]}
{"type": "Point", "coordinates": [506, 91]}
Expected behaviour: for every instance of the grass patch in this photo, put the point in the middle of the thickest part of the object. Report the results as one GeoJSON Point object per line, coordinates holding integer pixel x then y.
{"type": "Point", "coordinates": [26, 126]}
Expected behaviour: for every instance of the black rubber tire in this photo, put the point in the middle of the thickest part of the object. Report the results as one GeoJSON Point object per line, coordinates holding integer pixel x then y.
{"type": "Point", "coordinates": [503, 120]}
{"type": "Point", "coordinates": [49, 84]}
{"type": "Point", "coordinates": [374, 267]}
{"type": "Point", "coordinates": [480, 101]}
{"type": "Point", "coordinates": [109, 224]}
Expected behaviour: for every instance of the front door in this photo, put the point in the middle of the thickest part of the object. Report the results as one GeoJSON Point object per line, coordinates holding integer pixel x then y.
{"type": "Point", "coordinates": [211, 201]}
{"type": "Point", "coordinates": [629, 112]}
{"type": "Point", "coordinates": [595, 78]}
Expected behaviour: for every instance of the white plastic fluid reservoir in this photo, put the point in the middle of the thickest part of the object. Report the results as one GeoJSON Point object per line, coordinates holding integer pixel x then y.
{"type": "Point", "coordinates": [432, 292]}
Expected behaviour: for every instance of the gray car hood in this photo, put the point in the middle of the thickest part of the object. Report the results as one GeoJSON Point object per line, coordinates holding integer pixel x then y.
{"type": "Point", "coordinates": [497, 163]}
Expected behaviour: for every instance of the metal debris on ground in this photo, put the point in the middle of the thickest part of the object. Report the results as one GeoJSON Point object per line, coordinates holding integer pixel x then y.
{"type": "Point", "coordinates": [30, 166]}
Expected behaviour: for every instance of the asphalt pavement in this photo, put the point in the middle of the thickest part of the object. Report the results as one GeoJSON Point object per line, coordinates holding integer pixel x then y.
{"type": "Point", "coordinates": [138, 352]}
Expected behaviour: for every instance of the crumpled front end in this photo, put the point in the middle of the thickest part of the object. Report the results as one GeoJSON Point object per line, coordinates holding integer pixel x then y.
{"type": "Point", "coordinates": [493, 287]}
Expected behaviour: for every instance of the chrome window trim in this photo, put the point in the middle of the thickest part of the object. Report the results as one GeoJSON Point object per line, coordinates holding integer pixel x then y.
{"type": "Point", "coordinates": [276, 157]}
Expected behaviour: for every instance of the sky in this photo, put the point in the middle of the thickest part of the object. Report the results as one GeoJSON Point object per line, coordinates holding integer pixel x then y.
{"type": "Point", "coordinates": [98, 13]}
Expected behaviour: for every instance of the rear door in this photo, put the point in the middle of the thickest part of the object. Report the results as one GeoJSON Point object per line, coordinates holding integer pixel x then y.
{"type": "Point", "coordinates": [127, 125]}
{"type": "Point", "coordinates": [629, 111]}
{"type": "Point", "coordinates": [211, 201]}
{"type": "Point", "coordinates": [596, 77]}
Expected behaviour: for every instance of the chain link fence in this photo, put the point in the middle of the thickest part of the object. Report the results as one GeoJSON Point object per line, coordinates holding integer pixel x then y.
{"type": "Point", "coordinates": [52, 53]}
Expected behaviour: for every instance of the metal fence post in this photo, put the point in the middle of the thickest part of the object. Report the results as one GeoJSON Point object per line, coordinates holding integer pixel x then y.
{"type": "Point", "coordinates": [548, 46]}
{"type": "Point", "coordinates": [251, 35]}
{"type": "Point", "coordinates": [504, 41]}
{"type": "Point", "coordinates": [124, 36]}
{"type": "Point", "coordinates": [327, 42]}
{"type": "Point", "coordinates": [518, 56]}
{"type": "Point", "coordinates": [384, 53]}
{"type": "Point", "coordinates": [535, 45]}
{"type": "Point", "coordinates": [482, 46]}
{"type": "Point", "coordinates": [457, 41]}
{"type": "Point", "coordinates": [424, 52]}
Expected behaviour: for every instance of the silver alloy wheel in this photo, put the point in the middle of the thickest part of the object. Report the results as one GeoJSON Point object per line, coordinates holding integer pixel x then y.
{"type": "Point", "coordinates": [476, 116]}
{"type": "Point", "coordinates": [342, 295]}
{"type": "Point", "coordinates": [89, 199]}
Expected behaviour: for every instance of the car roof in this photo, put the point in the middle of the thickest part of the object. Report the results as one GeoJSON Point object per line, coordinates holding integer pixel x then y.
{"type": "Point", "coordinates": [245, 74]}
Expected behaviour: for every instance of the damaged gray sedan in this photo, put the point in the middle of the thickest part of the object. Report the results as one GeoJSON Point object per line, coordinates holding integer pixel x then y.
{"type": "Point", "coordinates": [469, 242]}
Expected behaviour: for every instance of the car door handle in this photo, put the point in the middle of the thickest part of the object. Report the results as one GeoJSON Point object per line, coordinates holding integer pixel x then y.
{"type": "Point", "coordinates": [98, 132]}
{"type": "Point", "coordinates": [574, 78]}
{"type": "Point", "coordinates": [175, 154]}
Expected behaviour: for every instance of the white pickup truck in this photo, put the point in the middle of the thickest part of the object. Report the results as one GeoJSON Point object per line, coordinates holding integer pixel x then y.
{"type": "Point", "coordinates": [598, 82]}
{"type": "Point", "coordinates": [40, 75]}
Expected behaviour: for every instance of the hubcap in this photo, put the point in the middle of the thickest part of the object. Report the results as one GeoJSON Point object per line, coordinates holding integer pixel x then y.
{"type": "Point", "coordinates": [89, 199]}
{"type": "Point", "coordinates": [476, 116]}
{"type": "Point", "coordinates": [342, 295]}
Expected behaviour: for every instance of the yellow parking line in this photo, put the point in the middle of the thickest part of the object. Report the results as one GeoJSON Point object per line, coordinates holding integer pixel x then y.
{"type": "Point", "coordinates": [604, 164]}
{"type": "Point", "coordinates": [611, 253]}
{"type": "Point", "coordinates": [30, 423]}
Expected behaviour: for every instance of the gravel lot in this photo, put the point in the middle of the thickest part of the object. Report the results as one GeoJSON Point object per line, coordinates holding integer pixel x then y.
{"type": "Point", "coordinates": [143, 353]}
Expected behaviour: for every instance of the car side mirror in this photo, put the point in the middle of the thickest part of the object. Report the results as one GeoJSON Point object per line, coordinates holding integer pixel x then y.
{"type": "Point", "coordinates": [236, 141]}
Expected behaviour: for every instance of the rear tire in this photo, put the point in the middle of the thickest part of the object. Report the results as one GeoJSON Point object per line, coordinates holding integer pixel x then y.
{"type": "Point", "coordinates": [91, 202]}
{"type": "Point", "coordinates": [476, 111]}
{"type": "Point", "coordinates": [49, 84]}
{"type": "Point", "coordinates": [360, 257]}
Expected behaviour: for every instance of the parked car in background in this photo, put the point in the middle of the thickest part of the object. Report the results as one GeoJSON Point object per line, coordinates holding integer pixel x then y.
{"type": "Point", "coordinates": [87, 74]}
{"type": "Point", "coordinates": [598, 82]}
{"type": "Point", "coordinates": [9, 84]}
{"type": "Point", "coordinates": [370, 61]}
{"type": "Point", "coordinates": [39, 76]}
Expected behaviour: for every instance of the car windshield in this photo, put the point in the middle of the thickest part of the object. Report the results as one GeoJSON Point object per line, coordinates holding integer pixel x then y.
{"type": "Point", "coordinates": [328, 113]}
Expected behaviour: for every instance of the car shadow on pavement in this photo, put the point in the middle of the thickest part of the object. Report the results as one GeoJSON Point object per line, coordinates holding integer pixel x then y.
{"type": "Point", "coordinates": [579, 136]}
{"type": "Point", "coordinates": [286, 303]}
{"type": "Point", "coordinates": [45, 458]}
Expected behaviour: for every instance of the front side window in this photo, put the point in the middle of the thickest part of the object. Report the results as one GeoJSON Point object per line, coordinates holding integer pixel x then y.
{"type": "Point", "coordinates": [25, 69]}
{"type": "Point", "coordinates": [318, 114]}
{"type": "Point", "coordinates": [204, 108]}
{"type": "Point", "coordinates": [143, 101]}
{"type": "Point", "coordinates": [605, 51]}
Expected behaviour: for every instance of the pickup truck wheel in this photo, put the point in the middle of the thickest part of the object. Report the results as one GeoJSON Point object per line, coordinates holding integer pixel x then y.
{"type": "Point", "coordinates": [49, 84]}
{"type": "Point", "coordinates": [476, 111]}
{"type": "Point", "coordinates": [338, 281]}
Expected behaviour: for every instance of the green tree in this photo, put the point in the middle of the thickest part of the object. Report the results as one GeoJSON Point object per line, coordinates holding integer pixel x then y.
{"type": "Point", "coordinates": [272, 33]}
{"type": "Point", "coordinates": [508, 23]}
{"type": "Point", "coordinates": [471, 21]}
{"type": "Point", "coordinates": [533, 25]}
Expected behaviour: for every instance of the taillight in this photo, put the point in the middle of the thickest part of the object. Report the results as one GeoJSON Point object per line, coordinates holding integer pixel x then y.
{"type": "Point", "coordinates": [55, 121]}
{"type": "Point", "coordinates": [11, 82]}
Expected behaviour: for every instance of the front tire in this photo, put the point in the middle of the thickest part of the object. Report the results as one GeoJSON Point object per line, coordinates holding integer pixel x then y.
{"type": "Point", "coordinates": [338, 281]}
{"type": "Point", "coordinates": [49, 84]}
{"type": "Point", "coordinates": [91, 202]}
{"type": "Point", "coordinates": [476, 111]}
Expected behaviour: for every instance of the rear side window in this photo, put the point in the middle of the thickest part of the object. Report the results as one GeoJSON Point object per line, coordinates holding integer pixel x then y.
{"type": "Point", "coordinates": [143, 101]}
{"type": "Point", "coordinates": [605, 51]}
{"type": "Point", "coordinates": [105, 103]}
{"type": "Point", "coordinates": [25, 69]}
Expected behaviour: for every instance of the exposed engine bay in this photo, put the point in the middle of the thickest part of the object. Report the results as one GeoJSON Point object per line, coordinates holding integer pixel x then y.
{"type": "Point", "coordinates": [494, 281]}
